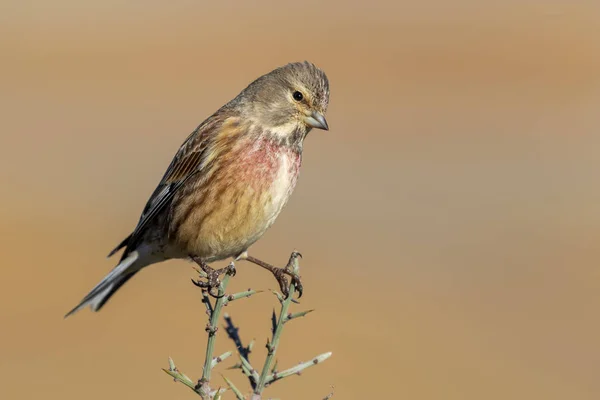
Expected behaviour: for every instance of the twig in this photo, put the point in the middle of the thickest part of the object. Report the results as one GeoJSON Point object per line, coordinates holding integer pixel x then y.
{"type": "Point", "coordinates": [269, 372]}
{"type": "Point", "coordinates": [219, 359]}
{"type": "Point", "coordinates": [235, 390]}
{"type": "Point", "coordinates": [297, 315]}
{"type": "Point", "coordinates": [178, 376]}
{"type": "Point", "coordinates": [202, 387]}
{"type": "Point", "coordinates": [272, 345]}
{"type": "Point", "coordinates": [240, 295]}
{"type": "Point", "coordinates": [233, 334]}
{"type": "Point", "coordinates": [249, 369]}
{"type": "Point", "coordinates": [212, 328]}
{"type": "Point", "coordinates": [275, 376]}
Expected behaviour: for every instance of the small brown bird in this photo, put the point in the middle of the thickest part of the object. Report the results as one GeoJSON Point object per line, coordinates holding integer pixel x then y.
{"type": "Point", "coordinates": [228, 182]}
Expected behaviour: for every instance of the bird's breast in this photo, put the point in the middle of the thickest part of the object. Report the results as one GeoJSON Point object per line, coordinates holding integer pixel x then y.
{"type": "Point", "coordinates": [271, 172]}
{"type": "Point", "coordinates": [247, 192]}
{"type": "Point", "coordinates": [283, 181]}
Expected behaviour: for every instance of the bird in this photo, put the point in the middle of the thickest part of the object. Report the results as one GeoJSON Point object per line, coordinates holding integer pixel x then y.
{"type": "Point", "coordinates": [227, 183]}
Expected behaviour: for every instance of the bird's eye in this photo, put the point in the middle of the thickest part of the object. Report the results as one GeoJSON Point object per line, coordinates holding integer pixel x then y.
{"type": "Point", "coordinates": [298, 96]}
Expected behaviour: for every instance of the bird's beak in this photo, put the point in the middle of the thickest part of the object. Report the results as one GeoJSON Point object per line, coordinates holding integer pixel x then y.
{"type": "Point", "coordinates": [316, 120]}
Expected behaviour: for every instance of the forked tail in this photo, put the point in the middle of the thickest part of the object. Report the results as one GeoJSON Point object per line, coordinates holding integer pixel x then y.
{"type": "Point", "coordinates": [103, 291]}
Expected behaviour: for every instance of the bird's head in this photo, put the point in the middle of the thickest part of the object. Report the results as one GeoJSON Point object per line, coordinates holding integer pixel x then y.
{"type": "Point", "coordinates": [289, 101]}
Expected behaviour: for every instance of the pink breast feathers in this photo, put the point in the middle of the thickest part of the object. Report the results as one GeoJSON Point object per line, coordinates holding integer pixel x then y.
{"type": "Point", "coordinates": [270, 166]}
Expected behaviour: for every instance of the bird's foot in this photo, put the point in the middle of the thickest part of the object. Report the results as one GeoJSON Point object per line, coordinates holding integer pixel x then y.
{"type": "Point", "coordinates": [280, 274]}
{"type": "Point", "coordinates": [212, 277]}
{"type": "Point", "coordinates": [288, 270]}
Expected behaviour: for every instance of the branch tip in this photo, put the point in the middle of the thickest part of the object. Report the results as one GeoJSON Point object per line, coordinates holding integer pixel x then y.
{"type": "Point", "coordinates": [233, 388]}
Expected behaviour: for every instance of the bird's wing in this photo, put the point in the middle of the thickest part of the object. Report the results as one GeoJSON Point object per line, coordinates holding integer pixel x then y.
{"type": "Point", "coordinates": [187, 162]}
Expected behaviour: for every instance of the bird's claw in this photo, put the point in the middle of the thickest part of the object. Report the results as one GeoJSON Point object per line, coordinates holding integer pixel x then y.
{"type": "Point", "coordinates": [212, 278]}
{"type": "Point", "coordinates": [230, 270]}
{"type": "Point", "coordinates": [209, 285]}
{"type": "Point", "coordinates": [297, 283]}
{"type": "Point", "coordinates": [280, 275]}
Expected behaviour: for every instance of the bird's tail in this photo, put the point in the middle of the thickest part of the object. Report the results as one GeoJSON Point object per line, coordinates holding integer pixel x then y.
{"type": "Point", "coordinates": [103, 291]}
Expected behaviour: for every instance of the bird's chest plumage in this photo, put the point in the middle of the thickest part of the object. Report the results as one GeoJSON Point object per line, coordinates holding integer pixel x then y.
{"type": "Point", "coordinates": [283, 177]}
{"type": "Point", "coordinates": [249, 190]}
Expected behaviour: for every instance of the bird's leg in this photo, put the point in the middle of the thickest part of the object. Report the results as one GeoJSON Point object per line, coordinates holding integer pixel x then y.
{"type": "Point", "coordinates": [280, 273]}
{"type": "Point", "coordinates": [212, 276]}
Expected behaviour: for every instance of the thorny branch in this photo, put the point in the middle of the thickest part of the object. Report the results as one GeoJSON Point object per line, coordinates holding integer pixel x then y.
{"type": "Point", "coordinates": [269, 373]}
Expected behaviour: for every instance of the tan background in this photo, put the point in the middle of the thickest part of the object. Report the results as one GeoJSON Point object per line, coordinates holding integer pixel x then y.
{"type": "Point", "coordinates": [450, 219]}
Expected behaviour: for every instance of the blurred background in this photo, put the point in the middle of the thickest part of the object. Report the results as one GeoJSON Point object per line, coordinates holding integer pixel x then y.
{"type": "Point", "coordinates": [449, 220]}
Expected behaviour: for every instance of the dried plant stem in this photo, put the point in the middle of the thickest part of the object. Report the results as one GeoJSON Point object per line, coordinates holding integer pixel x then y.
{"type": "Point", "coordinates": [202, 388]}
{"type": "Point", "coordinates": [269, 373]}
{"type": "Point", "coordinates": [272, 345]}
{"type": "Point", "coordinates": [211, 328]}
{"type": "Point", "coordinates": [238, 394]}
{"type": "Point", "coordinates": [275, 376]}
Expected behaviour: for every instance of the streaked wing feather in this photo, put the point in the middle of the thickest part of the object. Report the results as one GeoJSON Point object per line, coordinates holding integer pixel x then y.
{"type": "Point", "coordinates": [186, 163]}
